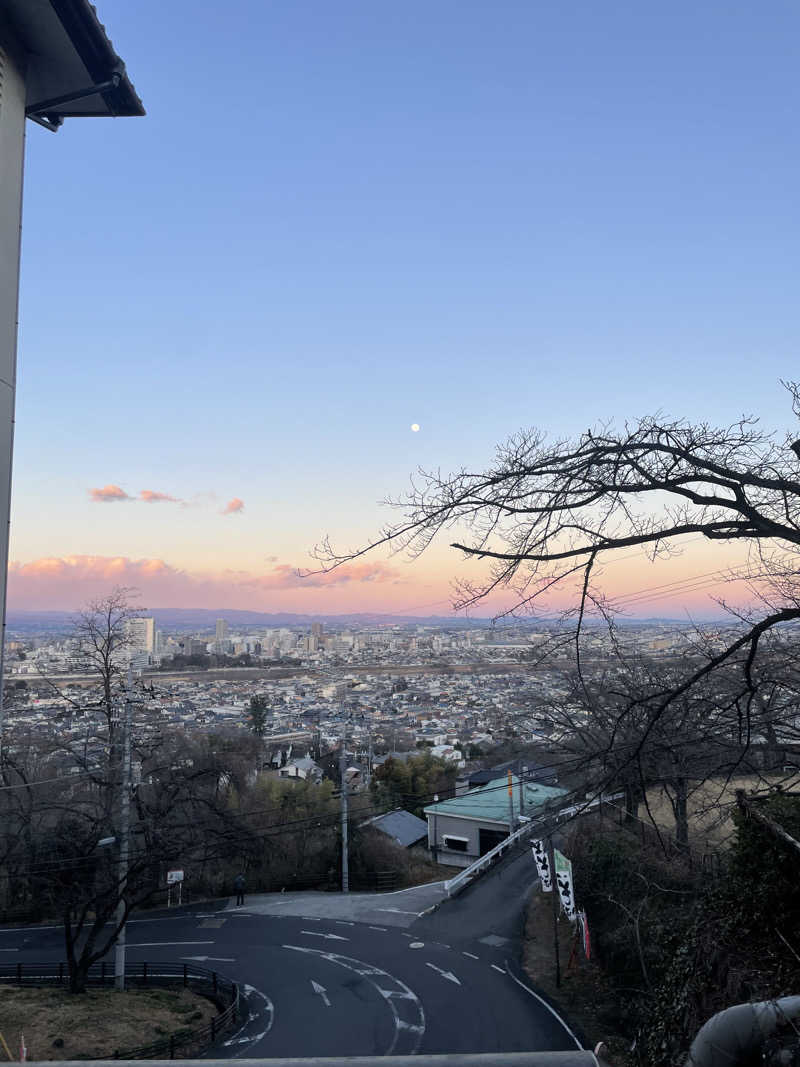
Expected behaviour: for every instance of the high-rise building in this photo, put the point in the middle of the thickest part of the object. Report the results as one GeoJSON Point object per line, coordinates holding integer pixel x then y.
{"type": "Point", "coordinates": [141, 634]}
{"type": "Point", "coordinates": [316, 629]}
{"type": "Point", "coordinates": [222, 631]}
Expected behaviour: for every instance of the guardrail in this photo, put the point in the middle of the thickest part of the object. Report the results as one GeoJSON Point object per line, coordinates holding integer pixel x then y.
{"type": "Point", "coordinates": [475, 870]}
{"type": "Point", "coordinates": [475, 1059]}
{"type": "Point", "coordinates": [207, 983]}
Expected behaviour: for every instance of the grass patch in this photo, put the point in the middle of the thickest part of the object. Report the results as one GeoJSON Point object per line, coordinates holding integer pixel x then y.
{"type": "Point", "coordinates": [61, 1026]}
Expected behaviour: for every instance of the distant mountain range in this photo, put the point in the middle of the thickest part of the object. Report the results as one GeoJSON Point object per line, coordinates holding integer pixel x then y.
{"type": "Point", "coordinates": [205, 619]}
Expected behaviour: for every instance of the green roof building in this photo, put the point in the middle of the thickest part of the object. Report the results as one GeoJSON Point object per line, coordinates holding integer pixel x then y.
{"type": "Point", "coordinates": [463, 829]}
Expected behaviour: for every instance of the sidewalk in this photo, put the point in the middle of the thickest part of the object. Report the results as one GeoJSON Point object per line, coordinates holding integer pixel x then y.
{"type": "Point", "coordinates": [399, 908]}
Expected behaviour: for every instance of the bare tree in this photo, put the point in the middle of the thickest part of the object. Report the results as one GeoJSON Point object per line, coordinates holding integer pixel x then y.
{"type": "Point", "coordinates": [545, 517]}
{"type": "Point", "coordinates": [102, 630]}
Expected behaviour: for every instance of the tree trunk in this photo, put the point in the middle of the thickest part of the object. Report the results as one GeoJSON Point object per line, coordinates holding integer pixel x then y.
{"type": "Point", "coordinates": [681, 816]}
{"type": "Point", "coordinates": [632, 801]}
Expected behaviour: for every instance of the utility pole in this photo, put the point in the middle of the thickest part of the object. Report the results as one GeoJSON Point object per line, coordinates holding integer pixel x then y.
{"type": "Point", "coordinates": [521, 788]}
{"type": "Point", "coordinates": [510, 804]}
{"type": "Point", "coordinates": [555, 896]}
{"type": "Point", "coordinates": [342, 769]}
{"type": "Point", "coordinates": [124, 824]}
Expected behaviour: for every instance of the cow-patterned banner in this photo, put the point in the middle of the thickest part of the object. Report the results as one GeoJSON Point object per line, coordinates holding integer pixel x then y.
{"type": "Point", "coordinates": [539, 850]}
{"type": "Point", "coordinates": [564, 884]}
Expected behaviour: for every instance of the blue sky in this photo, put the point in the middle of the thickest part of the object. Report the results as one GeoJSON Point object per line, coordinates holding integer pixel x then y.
{"type": "Point", "coordinates": [341, 218]}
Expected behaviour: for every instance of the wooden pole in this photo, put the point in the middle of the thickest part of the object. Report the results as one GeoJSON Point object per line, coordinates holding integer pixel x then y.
{"type": "Point", "coordinates": [554, 895]}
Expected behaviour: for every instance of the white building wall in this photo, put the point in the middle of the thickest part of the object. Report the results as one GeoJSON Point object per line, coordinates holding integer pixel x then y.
{"type": "Point", "coordinates": [12, 148]}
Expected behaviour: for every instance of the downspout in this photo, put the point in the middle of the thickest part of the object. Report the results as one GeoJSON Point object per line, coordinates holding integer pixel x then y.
{"type": "Point", "coordinates": [735, 1037]}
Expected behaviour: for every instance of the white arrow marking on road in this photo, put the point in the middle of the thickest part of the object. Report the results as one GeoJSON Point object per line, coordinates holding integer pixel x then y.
{"type": "Point", "coordinates": [445, 974]}
{"type": "Point", "coordinates": [328, 937]}
{"type": "Point", "coordinates": [216, 959]}
{"type": "Point", "coordinates": [322, 992]}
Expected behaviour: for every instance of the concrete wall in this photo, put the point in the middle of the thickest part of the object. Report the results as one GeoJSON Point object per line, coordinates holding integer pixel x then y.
{"type": "Point", "coordinates": [12, 147]}
{"type": "Point", "coordinates": [443, 827]}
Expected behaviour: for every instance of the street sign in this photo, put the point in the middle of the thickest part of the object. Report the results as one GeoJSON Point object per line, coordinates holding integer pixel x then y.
{"type": "Point", "coordinates": [174, 876]}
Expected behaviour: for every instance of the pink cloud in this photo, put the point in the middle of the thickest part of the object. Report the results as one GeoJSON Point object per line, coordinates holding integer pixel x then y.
{"type": "Point", "coordinates": [233, 507]}
{"type": "Point", "coordinates": [109, 494]}
{"type": "Point", "coordinates": [66, 582]}
{"type": "Point", "coordinates": [148, 496]}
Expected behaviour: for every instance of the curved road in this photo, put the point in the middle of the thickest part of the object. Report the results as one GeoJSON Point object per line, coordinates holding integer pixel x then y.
{"type": "Point", "coordinates": [386, 980]}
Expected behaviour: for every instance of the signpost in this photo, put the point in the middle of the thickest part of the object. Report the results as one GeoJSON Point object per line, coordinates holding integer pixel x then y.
{"type": "Point", "coordinates": [174, 878]}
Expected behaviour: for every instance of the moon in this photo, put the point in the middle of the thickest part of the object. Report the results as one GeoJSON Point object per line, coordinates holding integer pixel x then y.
{"type": "Point", "coordinates": [415, 427]}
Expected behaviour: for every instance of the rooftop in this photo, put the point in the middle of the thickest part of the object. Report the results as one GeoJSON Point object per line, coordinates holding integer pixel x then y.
{"type": "Point", "coordinates": [490, 802]}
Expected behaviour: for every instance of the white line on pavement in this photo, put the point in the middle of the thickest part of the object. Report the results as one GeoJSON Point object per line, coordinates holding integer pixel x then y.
{"type": "Point", "coordinates": [470, 955]}
{"type": "Point", "coordinates": [402, 993]}
{"type": "Point", "coordinates": [496, 968]}
{"type": "Point", "coordinates": [164, 944]}
{"type": "Point", "coordinates": [381, 928]}
{"type": "Point", "coordinates": [545, 1004]}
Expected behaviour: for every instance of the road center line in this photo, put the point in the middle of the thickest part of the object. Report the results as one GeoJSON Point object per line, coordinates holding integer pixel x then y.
{"type": "Point", "coordinates": [470, 955]}
{"type": "Point", "coordinates": [381, 928]}
{"type": "Point", "coordinates": [496, 968]}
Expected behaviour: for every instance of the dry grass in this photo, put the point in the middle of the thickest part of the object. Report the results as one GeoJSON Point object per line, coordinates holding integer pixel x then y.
{"type": "Point", "coordinates": [585, 996]}
{"type": "Point", "coordinates": [60, 1026]}
{"type": "Point", "coordinates": [710, 806]}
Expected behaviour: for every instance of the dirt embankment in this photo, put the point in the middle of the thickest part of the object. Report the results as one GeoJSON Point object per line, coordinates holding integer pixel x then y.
{"type": "Point", "coordinates": [585, 997]}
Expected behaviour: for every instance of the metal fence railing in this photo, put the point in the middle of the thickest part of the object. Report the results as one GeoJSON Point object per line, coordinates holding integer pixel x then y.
{"type": "Point", "coordinates": [548, 819]}
{"type": "Point", "coordinates": [142, 975]}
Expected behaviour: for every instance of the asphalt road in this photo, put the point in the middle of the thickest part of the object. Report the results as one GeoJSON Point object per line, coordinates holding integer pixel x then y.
{"type": "Point", "coordinates": [322, 986]}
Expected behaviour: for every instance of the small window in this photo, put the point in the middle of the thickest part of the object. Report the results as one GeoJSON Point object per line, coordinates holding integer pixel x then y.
{"type": "Point", "coordinates": [455, 844]}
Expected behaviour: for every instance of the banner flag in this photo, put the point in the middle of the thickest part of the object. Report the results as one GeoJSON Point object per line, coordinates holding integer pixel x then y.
{"type": "Point", "coordinates": [587, 940]}
{"type": "Point", "coordinates": [564, 884]}
{"type": "Point", "coordinates": [539, 850]}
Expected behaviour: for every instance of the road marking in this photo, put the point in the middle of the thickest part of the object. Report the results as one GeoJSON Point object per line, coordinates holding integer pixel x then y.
{"type": "Point", "coordinates": [415, 1025]}
{"type": "Point", "coordinates": [470, 955]}
{"type": "Point", "coordinates": [381, 928]}
{"type": "Point", "coordinates": [322, 992]}
{"type": "Point", "coordinates": [269, 1014]}
{"type": "Point", "coordinates": [9, 950]}
{"type": "Point", "coordinates": [398, 911]}
{"type": "Point", "coordinates": [164, 944]}
{"type": "Point", "coordinates": [546, 1005]}
{"type": "Point", "coordinates": [216, 959]}
{"type": "Point", "coordinates": [417, 944]}
{"type": "Point", "coordinates": [496, 968]}
{"type": "Point", "coordinates": [445, 974]}
{"type": "Point", "coordinates": [328, 937]}
{"type": "Point", "coordinates": [343, 922]}
{"type": "Point", "coordinates": [211, 924]}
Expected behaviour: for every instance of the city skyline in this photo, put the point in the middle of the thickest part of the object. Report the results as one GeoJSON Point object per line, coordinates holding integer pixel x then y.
{"type": "Point", "coordinates": [453, 218]}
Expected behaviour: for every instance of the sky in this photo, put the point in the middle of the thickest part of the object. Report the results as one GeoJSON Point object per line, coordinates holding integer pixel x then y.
{"type": "Point", "coordinates": [339, 219]}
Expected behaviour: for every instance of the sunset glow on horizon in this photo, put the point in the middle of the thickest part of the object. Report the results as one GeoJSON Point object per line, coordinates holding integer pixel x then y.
{"type": "Point", "coordinates": [542, 227]}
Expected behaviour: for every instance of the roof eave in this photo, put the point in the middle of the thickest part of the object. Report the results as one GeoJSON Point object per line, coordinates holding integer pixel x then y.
{"type": "Point", "coordinates": [89, 38]}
